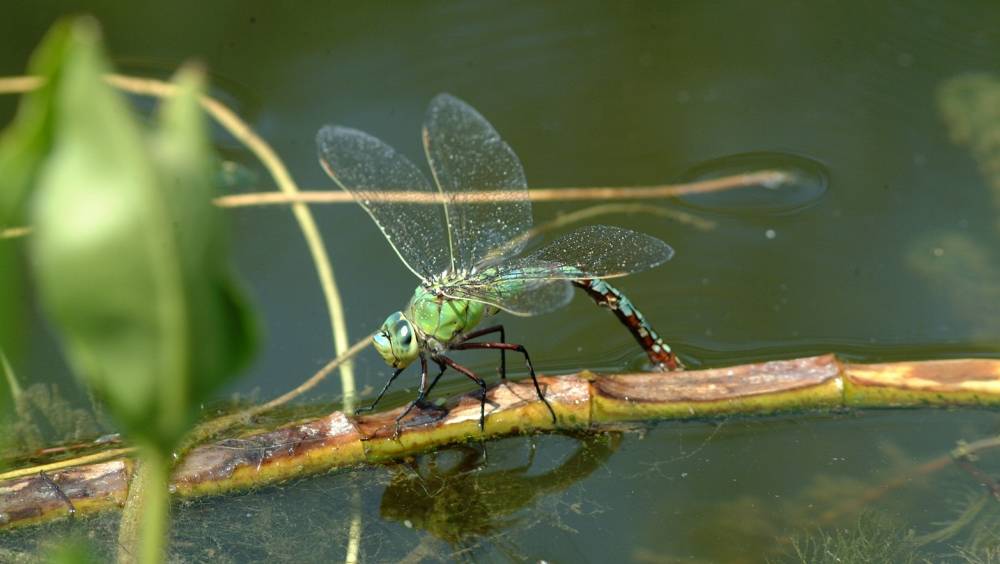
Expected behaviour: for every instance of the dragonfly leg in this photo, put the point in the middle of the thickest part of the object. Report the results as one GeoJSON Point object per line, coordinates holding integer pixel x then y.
{"type": "Point", "coordinates": [380, 394]}
{"type": "Point", "coordinates": [422, 393]}
{"type": "Point", "coordinates": [503, 339]}
{"type": "Point", "coordinates": [70, 508]}
{"type": "Point", "coordinates": [441, 368]}
{"type": "Point", "coordinates": [527, 360]}
{"type": "Point", "coordinates": [608, 296]}
{"type": "Point", "coordinates": [482, 387]}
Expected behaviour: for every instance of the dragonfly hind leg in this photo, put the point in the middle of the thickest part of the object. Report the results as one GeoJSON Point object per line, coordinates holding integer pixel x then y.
{"type": "Point", "coordinates": [503, 339]}
{"type": "Point", "coordinates": [482, 387]}
{"type": "Point", "coordinates": [527, 360]}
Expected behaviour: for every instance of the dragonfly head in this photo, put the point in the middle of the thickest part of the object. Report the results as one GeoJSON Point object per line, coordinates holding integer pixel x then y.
{"type": "Point", "coordinates": [396, 341]}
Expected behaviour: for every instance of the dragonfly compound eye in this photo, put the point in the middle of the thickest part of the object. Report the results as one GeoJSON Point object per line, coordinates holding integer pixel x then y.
{"type": "Point", "coordinates": [395, 342]}
{"type": "Point", "coordinates": [405, 346]}
{"type": "Point", "coordinates": [404, 333]}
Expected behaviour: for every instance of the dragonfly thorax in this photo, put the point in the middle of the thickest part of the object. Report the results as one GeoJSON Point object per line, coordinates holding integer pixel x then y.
{"type": "Point", "coordinates": [431, 321]}
{"type": "Point", "coordinates": [438, 319]}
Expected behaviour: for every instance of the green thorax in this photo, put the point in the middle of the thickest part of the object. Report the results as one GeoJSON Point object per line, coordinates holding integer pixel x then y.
{"type": "Point", "coordinates": [441, 318]}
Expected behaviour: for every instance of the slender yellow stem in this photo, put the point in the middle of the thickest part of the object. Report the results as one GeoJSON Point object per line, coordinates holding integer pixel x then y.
{"type": "Point", "coordinates": [318, 377]}
{"type": "Point", "coordinates": [8, 370]}
{"type": "Point", "coordinates": [77, 461]}
{"type": "Point", "coordinates": [354, 531]}
{"type": "Point", "coordinates": [18, 84]}
{"type": "Point", "coordinates": [14, 232]}
{"type": "Point", "coordinates": [605, 193]}
{"type": "Point", "coordinates": [215, 426]}
{"type": "Point", "coordinates": [760, 178]}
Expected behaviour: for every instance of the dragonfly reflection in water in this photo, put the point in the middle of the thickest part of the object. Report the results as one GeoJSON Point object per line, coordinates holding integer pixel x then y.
{"type": "Point", "coordinates": [465, 246]}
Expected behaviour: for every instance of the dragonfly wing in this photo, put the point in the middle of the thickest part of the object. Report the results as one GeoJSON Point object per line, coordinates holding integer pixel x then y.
{"type": "Point", "coordinates": [366, 167]}
{"type": "Point", "coordinates": [594, 251]}
{"type": "Point", "coordinates": [466, 156]}
{"type": "Point", "coordinates": [517, 296]}
{"type": "Point", "coordinates": [539, 282]}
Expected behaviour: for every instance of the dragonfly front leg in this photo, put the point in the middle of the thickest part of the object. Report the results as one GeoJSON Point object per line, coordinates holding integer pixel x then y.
{"type": "Point", "coordinates": [420, 395]}
{"type": "Point", "coordinates": [527, 360]}
{"type": "Point", "coordinates": [71, 509]}
{"type": "Point", "coordinates": [441, 368]}
{"type": "Point", "coordinates": [503, 339]}
{"type": "Point", "coordinates": [380, 394]}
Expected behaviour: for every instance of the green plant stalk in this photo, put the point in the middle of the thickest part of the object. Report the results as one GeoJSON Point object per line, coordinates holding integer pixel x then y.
{"type": "Point", "coordinates": [142, 534]}
{"type": "Point", "coordinates": [155, 509]}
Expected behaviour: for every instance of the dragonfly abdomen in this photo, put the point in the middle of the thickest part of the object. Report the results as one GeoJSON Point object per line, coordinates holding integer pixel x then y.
{"type": "Point", "coordinates": [608, 296]}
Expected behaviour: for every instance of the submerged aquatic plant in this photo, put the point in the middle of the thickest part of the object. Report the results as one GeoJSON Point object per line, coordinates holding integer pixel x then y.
{"type": "Point", "coordinates": [874, 537]}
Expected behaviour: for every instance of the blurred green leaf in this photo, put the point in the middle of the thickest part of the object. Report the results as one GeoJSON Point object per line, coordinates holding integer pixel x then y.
{"type": "Point", "coordinates": [129, 252]}
{"type": "Point", "coordinates": [26, 142]}
{"type": "Point", "coordinates": [23, 146]}
{"type": "Point", "coordinates": [187, 168]}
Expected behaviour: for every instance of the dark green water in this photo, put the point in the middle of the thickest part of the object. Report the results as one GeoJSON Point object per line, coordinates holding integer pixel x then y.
{"type": "Point", "coordinates": [896, 259]}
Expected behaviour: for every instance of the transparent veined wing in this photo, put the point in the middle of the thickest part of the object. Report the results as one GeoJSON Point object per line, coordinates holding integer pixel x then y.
{"type": "Point", "coordinates": [598, 251]}
{"type": "Point", "coordinates": [512, 293]}
{"type": "Point", "coordinates": [530, 285]}
{"type": "Point", "coordinates": [467, 156]}
{"type": "Point", "coordinates": [366, 167]}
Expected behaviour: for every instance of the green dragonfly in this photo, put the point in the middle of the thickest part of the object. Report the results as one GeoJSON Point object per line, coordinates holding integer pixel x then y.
{"type": "Point", "coordinates": [465, 244]}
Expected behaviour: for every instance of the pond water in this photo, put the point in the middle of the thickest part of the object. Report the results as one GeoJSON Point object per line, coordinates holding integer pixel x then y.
{"type": "Point", "coordinates": [886, 248]}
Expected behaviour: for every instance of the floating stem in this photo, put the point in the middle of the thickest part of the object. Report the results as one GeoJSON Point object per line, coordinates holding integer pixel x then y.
{"type": "Point", "coordinates": [580, 401]}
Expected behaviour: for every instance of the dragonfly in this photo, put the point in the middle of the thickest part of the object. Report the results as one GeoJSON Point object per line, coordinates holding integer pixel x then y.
{"type": "Point", "coordinates": [464, 234]}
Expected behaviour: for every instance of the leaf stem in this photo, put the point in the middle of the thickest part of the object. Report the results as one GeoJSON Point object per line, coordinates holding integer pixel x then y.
{"type": "Point", "coordinates": [142, 535]}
